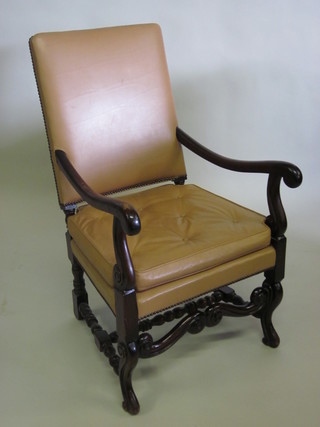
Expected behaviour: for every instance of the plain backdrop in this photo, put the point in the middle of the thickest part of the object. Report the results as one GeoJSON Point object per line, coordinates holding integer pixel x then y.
{"type": "Point", "coordinates": [245, 76]}
{"type": "Point", "coordinates": [246, 81]}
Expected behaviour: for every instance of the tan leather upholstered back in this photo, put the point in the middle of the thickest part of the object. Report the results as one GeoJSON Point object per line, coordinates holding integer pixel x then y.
{"type": "Point", "coordinates": [107, 102]}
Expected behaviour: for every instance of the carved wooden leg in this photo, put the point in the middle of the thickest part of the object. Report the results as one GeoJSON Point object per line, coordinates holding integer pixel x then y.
{"type": "Point", "coordinates": [79, 293]}
{"type": "Point", "coordinates": [126, 317]}
{"type": "Point", "coordinates": [128, 349]}
{"type": "Point", "coordinates": [129, 359]}
{"type": "Point", "coordinates": [275, 293]}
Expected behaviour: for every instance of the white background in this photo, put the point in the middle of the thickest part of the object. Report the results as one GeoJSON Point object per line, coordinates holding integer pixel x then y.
{"type": "Point", "coordinates": [246, 81]}
{"type": "Point", "coordinates": [245, 76]}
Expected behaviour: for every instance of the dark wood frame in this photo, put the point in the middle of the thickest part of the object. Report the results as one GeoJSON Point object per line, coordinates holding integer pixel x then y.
{"type": "Point", "coordinates": [132, 339]}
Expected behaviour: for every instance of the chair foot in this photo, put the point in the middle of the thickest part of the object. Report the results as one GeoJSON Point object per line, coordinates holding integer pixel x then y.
{"type": "Point", "coordinates": [131, 405]}
{"type": "Point", "coordinates": [128, 361]}
{"type": "Point", "coordinates": [275, 293]}
{"type": "Point", "coordinates": [273, 341]}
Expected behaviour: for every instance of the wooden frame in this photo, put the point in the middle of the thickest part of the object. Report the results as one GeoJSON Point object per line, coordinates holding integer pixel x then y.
{"type": "Point", "coordinates": [132, 339]}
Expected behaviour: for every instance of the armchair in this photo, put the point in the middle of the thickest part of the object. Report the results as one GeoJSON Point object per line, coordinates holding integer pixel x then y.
{"type": "Point", "coordinates": [160, 254]}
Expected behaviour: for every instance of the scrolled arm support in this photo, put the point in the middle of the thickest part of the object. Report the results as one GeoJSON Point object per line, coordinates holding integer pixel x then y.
{"type": "Point", "coordinates": [276, 170]}
{"type": "Point", "coordinates": [277, 219]}
{"type": "Point", "coordinates": [123, 271]}
{"type": "Point", "coordinates": [126, 221]}
{"type": "Point", "coordinates": [126, 214]}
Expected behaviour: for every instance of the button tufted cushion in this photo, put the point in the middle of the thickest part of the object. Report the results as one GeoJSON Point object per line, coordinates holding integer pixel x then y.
{"type": "Point", "coordinates": [185, 230]}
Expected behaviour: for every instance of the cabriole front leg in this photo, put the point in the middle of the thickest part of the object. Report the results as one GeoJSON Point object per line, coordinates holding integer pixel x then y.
{"type": "Point", "coordinates": [274, 293]}
{"type": "Point", "coordinates": [127, 328]}
{"type": "Point", "coordinates": [128, 360]}
{"type": "Point", "coordinates": [126, 316]}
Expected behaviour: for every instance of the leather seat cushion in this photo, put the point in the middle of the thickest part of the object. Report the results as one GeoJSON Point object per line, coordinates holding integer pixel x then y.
{"type": "Point", "coordinates": [185, 230]}
{"type": "Point", "coordinates": [174, 293]}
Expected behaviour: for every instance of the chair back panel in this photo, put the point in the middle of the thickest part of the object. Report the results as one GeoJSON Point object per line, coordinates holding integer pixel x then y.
{"type": "Point", "coordinates": [107, 102]}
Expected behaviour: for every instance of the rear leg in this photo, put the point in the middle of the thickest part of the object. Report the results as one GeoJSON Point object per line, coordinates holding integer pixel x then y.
{"type": "Point", "coordinates": [79, 293]}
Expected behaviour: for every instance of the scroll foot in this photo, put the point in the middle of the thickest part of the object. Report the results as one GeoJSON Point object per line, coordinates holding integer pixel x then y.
{"type": "Point", "coordinates": [275, 293]}
{"type": "Point", "coordinates": [129, 360]}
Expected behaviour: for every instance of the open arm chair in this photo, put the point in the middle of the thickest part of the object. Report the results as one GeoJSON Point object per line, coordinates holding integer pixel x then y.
{"type": "Point", "coordinates": [163, 253]}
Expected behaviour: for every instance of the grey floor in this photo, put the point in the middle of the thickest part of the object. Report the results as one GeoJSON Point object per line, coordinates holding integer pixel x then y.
{"type": "Point", "coordinates": [51, 373]}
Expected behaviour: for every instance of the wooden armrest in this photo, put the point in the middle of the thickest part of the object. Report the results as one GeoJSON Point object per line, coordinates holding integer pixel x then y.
{"type": "Point", "coordinates": [290, 173]}
{"type": "Point", "coordinates": [276, 170]}
{"type": "Point", "coordinates": [125, 213]}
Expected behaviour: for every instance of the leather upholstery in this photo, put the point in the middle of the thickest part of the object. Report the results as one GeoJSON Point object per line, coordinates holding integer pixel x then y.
{"type": "Point", "coordinates": [109, 112]}
{"type": "Point", "coordinates": [190, 242]}
{"type": "Point", "coordinates": [108, 105]}
{"type": "Point", "coordinates": [173, 293]}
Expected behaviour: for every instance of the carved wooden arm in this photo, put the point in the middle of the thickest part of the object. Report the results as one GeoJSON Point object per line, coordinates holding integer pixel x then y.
{"type": "Point", "coordinates": [125, 213]}
{"type": "Point", "coordinates": [126, 221]}
{"type": "Point", "coordinates": [276, 170]}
